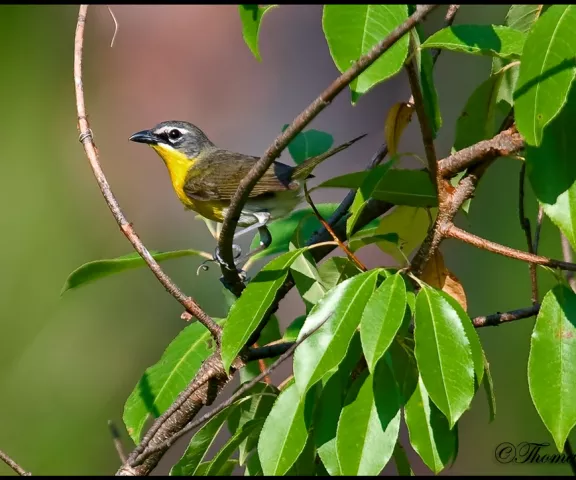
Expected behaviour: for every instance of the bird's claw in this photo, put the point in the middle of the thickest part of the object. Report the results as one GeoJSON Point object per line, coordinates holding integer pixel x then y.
{"type": "Point", "coordinates": [236, 252]}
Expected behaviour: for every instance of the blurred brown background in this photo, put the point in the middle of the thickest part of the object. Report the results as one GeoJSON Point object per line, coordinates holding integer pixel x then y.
{"type": "Point", "coordinates": [68, 363]}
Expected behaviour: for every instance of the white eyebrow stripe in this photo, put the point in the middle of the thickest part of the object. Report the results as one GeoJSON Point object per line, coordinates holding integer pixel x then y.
{"type": "Point", "coordinates": [168, 128]}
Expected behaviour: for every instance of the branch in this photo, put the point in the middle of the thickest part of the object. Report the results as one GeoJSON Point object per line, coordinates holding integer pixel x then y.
{"type": "Point", "coordinates": [300, 122]}
{"type": "Point", "coordinates": [455, 232]}
{"type": "Point", "coordinates": [239, 393]}
{"type": "Point", "coordinates": [425, 128]}
{"type": "Point", "coordinates": [268, 351]}
{"type": "Point", "coordinates": [498, 318]}
{"type": "Point", "coordinates": [117, 441]}
{"type": "Point", "coordinates": [506, 143]}
{"type": "Point", "coordinates": [13, 465]}
{"type": "Point", "coordinates": [86, 138]}
{"type": "Point", "coordinates": [525, 223]}
{"type": "Point", "coordinates": [448, 21]}
{"type": "Point", "coordinates": [328, 228]}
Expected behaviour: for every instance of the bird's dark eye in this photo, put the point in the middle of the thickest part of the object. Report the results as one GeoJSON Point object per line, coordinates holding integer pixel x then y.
{"type": "Point", "coordinates": [174, 134]}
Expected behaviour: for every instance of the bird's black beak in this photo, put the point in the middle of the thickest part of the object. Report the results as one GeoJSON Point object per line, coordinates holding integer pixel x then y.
{"type": "Point", "coordinates": [145, 136]}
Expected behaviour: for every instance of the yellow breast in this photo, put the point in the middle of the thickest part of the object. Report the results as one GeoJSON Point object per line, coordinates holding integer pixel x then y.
{"type": "Point", "coordinates": [178, 167]}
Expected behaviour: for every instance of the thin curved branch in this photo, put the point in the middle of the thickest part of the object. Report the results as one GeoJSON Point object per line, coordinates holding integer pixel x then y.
{"type": "Point", "coordinates": [87, 140]}
{"type": "Point", "coordinates": [13, 465]}
{"type": "Point", "coordinates": [300, 122]}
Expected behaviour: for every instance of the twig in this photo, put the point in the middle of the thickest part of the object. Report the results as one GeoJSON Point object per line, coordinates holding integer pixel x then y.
{"type": "Point", "coordinates": [300, 122]}
{"type": "Point", "coordinates": [425, 128]}
{"type": "Point", "coordinates": [328, 228]}
{"type": "Point", "coordinates": [538, 229]}
{"type": "Point", "coordinates": [459, 234]}
{"type": "Point", "coordinates": [525, 223]}
{"type": "Point", "coordinates": [268, 351]}
{"type": "Point", "coordinates": [117, 441]}
{"type": "Point", "coordinates": [13, 465]}
{"type": "Point", "coordinates": [247, 386]}
{"type": "Point", "coordinates": [115, 25]}
{"type": "Point", "coordinates": [498, 318]}
{"type": "Point", "coordinates": [504, 144]}
{"type": "Point", "coordinates": [86, 138]}
{"type": "Point", "coordinates": [448, 21]}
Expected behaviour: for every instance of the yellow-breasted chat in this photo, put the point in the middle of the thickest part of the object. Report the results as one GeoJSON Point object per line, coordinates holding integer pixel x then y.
{"type": "Point", "coordinates": [206, 177]}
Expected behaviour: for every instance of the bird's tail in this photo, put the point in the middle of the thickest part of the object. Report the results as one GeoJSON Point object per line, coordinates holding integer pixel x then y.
{"type": "Point", "coordinates": [304, 170]}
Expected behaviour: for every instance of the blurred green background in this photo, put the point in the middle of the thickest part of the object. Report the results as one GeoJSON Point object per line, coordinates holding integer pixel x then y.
{"type": "Point", "coordinates": [68, 363]}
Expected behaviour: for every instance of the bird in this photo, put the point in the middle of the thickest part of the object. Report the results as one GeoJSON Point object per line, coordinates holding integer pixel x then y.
{"type": "Point", "coordinates": [206, 177]}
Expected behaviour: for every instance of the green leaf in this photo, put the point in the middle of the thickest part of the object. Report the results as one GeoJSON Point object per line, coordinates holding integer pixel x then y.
{"type": "Point", "coordinates": [443, 354]}
{"type": "Point", "coordinates": [305, 464]}
{"type": "Point", "coordinates": [397, 186]}
{"type": "Point", "coordinates": [257, 407]}
{"type": "Point", "coordinates": [330, 405]}
{"type": "Point", "coordinates": [519, 17]}
{"type": "Point", "coordinates": [411, 224]}
{"type": "Point", "coordinates": [401, 356]}
{"type": "Point", "coordinates": [364, 193]}
{"type": "Point", "coordinates": [308, 144]}
{"type": "Point", "coordinates": [477, 120]}
{"type": "Point", "coordinates": [199, 444]}
{"type": "Point", "coordinates": [225, 471]}
{"type": "Point", "coordinates": [253, 467]}
{"type": "Point", "coordinates": [162, 382]}
{"type": "Point", "coordinates": [307, 280]}
{"type": "Point", "coordinates": [353, 30]}
{"type": "Point", "coordinates": [251, 16]}
{"type": "Point", "coordinates": [293, 330]}
{"type": "Point", "coordinates": [339, 313]}
{"type": "Point", "coordinates": [401, 460]}
{"type": "Point", "coordinates": [430, 434]}
{"type": "Point", "coordinates": [335, 270]}
{"type": "Point", "coordinates": [270, 333]}
{"type": "Point", "coordinates": [285, 431]}
{"type": "Point", "coordinates": [425, 67]}
{"type": "Point", "coordinates": [477, 39]}
{"type": "Point", "coordinates": [369, 423]}
{"type": "Point", "coordinates": [489, 388]}
{"type": "Point", "coordinates": [546, 71]}
{"type": "Point", "coordinates": [283, 229]}
{"type": "Point", "coordinates": [364, 238]}
{"type": "Point", "coordinates": [552, 171]}
{"type": "Point", "coordinates": [91, 271]}
{"type": "Point", "coordinates": [382, 318]}
{"type": "Point", "coordinates": [219, 461]}
{"type": "Point", "coordinates": [249, 310]}
{"type": "Point", "coordinates": [471, 334]}
{"type": "Point", "coordinates": [552, 363]}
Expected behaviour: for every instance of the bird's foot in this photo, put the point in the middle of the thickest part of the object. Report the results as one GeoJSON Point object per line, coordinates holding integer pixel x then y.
{"type": "Point", "coordinates": [236, 252]}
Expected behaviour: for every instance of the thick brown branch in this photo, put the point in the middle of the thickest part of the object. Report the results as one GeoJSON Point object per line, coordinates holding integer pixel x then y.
{"type": "Point", "coordinates": [459, 234]}
{"type": "Point", "coordinates": [13, 465]}
{"type": "Point", "coordinates": [87, 141]}
{"type": "Point", "coordinates": [506, 143]}
{"type": "Point", "coordinates": [300, 122]}
{"type": "Point", "coordinates": [500, 318]}
{"type": "Point", "coordinates": [162, 447]}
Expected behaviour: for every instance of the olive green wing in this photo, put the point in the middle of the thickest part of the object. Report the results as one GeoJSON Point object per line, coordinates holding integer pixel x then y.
{"type": "Point", "coordinates": [216, 176]}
